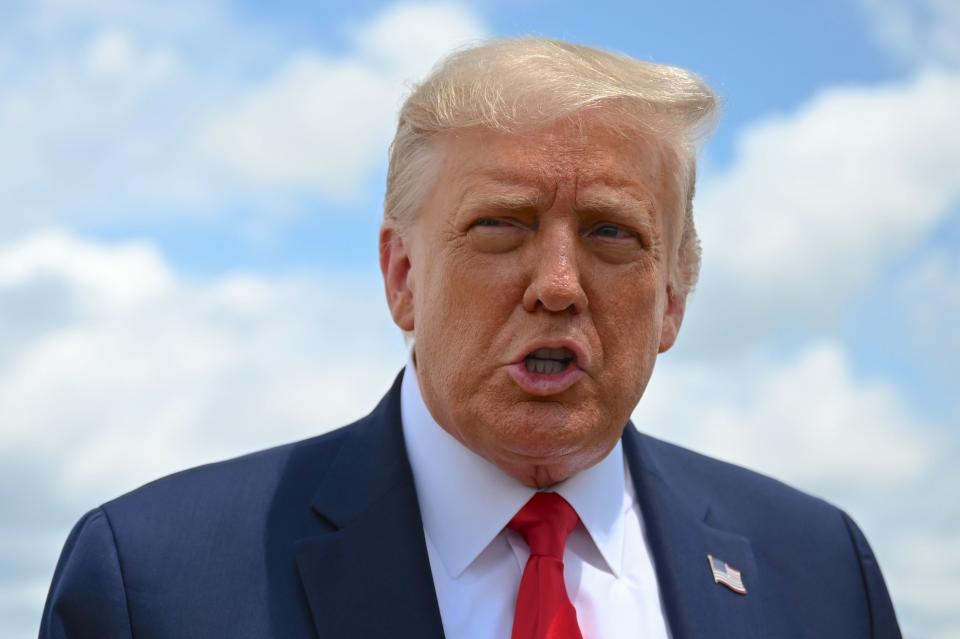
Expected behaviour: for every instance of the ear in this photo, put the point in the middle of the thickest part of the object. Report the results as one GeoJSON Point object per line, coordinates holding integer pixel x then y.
{"type": "Point", "coordinates": [395, 267]}
{"type": "Point", "coordinates": [672, 318]}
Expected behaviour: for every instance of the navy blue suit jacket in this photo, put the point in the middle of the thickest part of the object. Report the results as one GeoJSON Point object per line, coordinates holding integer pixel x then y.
{"type": "Point", "coordinates": [323, 538]}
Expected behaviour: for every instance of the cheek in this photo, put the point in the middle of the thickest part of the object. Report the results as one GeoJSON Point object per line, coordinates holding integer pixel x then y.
{"type": "Point", "coordinates": [481, 289]}
{"type": "Point", "coordinates": [629, 324]}
{"type": "Point", "coordinates": [463, 306]}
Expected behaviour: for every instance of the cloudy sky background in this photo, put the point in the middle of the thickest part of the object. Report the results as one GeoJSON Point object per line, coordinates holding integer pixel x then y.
{"type": "Point", "coordinates": [189, 199]}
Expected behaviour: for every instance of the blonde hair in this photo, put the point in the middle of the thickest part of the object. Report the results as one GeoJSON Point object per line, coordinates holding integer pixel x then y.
{"type": "Point", "coordinates": [519, 83]}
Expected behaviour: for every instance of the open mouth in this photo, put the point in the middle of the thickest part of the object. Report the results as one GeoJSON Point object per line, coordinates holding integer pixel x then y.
{"type": "Point", "coordinates": [550, 370]}
{"type": "Point", "coordinates": [549, 361]}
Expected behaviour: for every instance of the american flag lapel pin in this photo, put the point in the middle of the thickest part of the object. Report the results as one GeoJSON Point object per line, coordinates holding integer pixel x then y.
{"type": "Point", "coordinates": [724, 573]}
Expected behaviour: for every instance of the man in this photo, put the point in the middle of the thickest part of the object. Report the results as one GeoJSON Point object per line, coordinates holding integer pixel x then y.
{"type": "Point", "coordinates": [539, 246]}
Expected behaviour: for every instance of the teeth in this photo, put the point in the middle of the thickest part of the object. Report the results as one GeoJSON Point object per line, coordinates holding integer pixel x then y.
{"type": "Point", "coordinates": [552, 353]}
{"type": "Point", "coordinates": [544, 366]}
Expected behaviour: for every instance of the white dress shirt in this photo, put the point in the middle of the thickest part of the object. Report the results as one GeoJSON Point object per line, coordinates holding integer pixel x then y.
{"type": "Point", "coordinates": [466, 502]}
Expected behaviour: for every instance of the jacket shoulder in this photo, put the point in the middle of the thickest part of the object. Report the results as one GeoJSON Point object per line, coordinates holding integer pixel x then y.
{"type": "Point", "coordinates": [75, 608]}
{"type": "Point", "coordinates": [215, 514]}
{"type": "Point", "coordinates": [243, 484]}
{"type": "Point", "coordinates": [743, 500]}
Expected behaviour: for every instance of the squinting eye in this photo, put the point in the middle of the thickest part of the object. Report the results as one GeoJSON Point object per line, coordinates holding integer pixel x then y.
{"type": "Point", "coordinates": [489, 221]}
{"type": "Point", "coordinates": [496, 235]}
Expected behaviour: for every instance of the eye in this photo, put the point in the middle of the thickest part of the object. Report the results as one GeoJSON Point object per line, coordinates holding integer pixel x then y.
{"type": "Point", "coordinates": [489, 222]}
{"type": "Point", "coordinates": [612, 232]}
{"type": "Point", "coordinates": [496, 234]}
{"type": "Point", "coordinates": [617, 244]}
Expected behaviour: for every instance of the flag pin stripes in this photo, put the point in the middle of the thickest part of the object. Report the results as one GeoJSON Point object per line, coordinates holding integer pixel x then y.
{"type": "Point", "coordinates": [724, 573]}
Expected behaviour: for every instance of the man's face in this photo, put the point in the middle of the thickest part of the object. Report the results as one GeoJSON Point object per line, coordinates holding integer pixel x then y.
{"type": "Point", "coordinates": [535, 278]}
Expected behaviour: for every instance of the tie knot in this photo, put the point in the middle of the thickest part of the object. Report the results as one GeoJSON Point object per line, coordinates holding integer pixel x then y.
{"type": "Point", "coordinates": [544, 523]}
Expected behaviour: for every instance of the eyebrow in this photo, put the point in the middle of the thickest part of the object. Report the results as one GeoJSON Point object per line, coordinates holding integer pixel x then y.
{"type": "Point", "coordinates": [503, 189]}
{"type": "Point", "coordinates": [508, 190]}
{"type": "Point", "coordinates": [615, 201]}
{"type": "Point", "coordinates": [502, 201]}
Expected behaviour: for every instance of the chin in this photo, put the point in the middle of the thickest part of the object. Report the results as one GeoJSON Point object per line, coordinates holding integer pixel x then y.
{"type": "Point", "coordinates": [544, 432]}
{"type": "Point", "coordinates": [539, 462]}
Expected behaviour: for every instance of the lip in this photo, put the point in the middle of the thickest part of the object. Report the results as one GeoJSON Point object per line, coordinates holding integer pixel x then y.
{"type": "Point", "coordinates": [546, 384]}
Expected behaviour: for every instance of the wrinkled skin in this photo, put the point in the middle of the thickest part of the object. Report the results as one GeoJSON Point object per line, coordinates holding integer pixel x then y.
{"type": "Point", "coordinates": [563, 232]}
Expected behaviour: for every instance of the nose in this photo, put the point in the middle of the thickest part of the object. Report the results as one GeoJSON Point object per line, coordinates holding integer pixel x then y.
{"type": "Point", "coordinates": [555, 283]}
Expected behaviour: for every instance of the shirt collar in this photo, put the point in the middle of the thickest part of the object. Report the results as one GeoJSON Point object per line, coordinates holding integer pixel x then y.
{"type": "Point", "coordinates": [599, 495]}
{"type": "Point", "coordinates": [466, 501]}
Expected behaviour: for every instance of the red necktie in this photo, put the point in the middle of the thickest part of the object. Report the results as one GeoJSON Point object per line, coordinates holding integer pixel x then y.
{"type": "Point", "coordinates": [543, 608]}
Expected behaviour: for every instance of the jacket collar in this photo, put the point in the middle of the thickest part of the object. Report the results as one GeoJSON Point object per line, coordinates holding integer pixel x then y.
{"type": "Point", "coordinates": [369, 576]}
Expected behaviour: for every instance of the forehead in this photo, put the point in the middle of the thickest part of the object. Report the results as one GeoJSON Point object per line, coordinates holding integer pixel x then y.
{"type": "Point", "coordinates": [582, 152]}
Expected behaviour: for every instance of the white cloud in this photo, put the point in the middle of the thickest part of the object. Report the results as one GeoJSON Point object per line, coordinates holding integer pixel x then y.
{"type": "Point", "coordinates": [929, 563]}
{"type": "Point", "coordinates": [916, 31]}
{"type": "Point", "coordinates": [409, 38]}
{"type": "Point", "coordinates": [16, 598]}
{"type": "Point", "coordinates": [130, 383]}
{"type": "Point", "coordinates": [817, 203]}
{"type": "Point", "coordinates": [104, 277]}
{"type": "Point", "coordinates": [317, 124]}
{"type": "Point", "coordinates": [321, 123]}
{"type": "Point", "coordinates": [805, 421]}
{"type": "Point", "coordinates": [111, 123]}
{"type": "Point", "coordinates": [86, 129]}
{"type": "Point", "coordinates": [929, 295]}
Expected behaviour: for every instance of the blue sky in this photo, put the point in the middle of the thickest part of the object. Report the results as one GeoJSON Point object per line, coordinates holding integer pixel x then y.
{"type": "Point", "coordinates": [190, 194]}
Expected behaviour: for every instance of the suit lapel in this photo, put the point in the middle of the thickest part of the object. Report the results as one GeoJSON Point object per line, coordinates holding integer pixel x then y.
{"type": "Point", "coordinates": [370, 575]}
{"type": "Point", "coordinates": [674, 513]}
